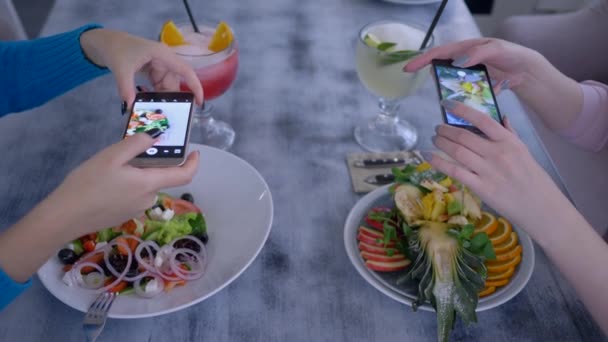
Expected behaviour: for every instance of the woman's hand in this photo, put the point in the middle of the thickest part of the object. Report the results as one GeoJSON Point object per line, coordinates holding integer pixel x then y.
{"type": "Point", "coordinates": [102, 192]}
{"type": "Point", "coordinates": [106, 190]}
{"type": "Point", "coordinates": [556, 98]}
{"type": "Point", "coordinates": [505, 61]}
{"type": "Point", "coordinates": [125, 55]}
{"type": "Point", "coordinates": [499, 168]}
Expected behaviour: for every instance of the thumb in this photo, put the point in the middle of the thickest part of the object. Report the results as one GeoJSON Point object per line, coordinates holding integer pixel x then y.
{"type": "Point", "coordinates": [124, 151]}
{"type": "Point", "coordinates": [125, 81]}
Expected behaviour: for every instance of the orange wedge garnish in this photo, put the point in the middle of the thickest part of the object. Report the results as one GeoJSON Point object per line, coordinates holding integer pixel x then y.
{"type": "Point", "coordinates": [487, 291]}
{"type": "Point", "coordinates": [507, 245]}
{"type": "Point", "coordinates": [502, 275]}
{"type": "Point", "coordinates": [497, 283]}
{"type": "Point", "coordinates": [510, 254]}
{"type": "Point", "coordinates": [171, 35]}
{"type": "Point", "coordinates": [502, 233]}
{"type": "Point", "coordinates": [501, 266]}
{"type": "Point", "coordinates": [221, 38]}
{"type": "Point", "coordinates": [487, 224]}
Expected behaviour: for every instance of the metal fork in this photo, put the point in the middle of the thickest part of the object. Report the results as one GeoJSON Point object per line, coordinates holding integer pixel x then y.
{"type": "Point", "coordinates": [95, 319]}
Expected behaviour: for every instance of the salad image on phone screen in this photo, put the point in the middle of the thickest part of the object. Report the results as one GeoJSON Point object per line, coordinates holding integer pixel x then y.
{"type": "Point", "coordinates": [143, 120]}
{"type": "Point", "coordinates": [470, 87]}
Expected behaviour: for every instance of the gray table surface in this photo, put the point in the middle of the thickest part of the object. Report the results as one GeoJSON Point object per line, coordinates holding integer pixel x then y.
{"type": "Point", "coordinates": [293, 106]}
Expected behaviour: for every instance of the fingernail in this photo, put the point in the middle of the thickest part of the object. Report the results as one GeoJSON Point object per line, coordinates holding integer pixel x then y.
{"type": "Point", "coordinates": [449, 104]}
{"type": "Point", "coordinates": [426, 155]}
{"type": "Point", "coordinates": [505, 85]}
{"type": "Point", "coordinates": [139, 88]}
{"type": "Point", "coordinates": [154, 132]}
{"type": "Point", "coordinates": [123, 109]}
{"type": "Point", "coordinates": [460, 61]}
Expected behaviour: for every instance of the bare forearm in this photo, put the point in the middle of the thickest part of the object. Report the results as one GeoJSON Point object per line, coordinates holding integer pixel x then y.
{"type": "Point", "coordinates": [556, 98]}
{"type": "Point", "coordinates": [580, 254]}
{"type": "Point", "coordinates": [25, 246]}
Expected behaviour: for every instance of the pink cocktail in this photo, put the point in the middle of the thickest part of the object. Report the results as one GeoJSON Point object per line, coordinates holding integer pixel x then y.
{"type": "Point", "coordinates": [216, 70]}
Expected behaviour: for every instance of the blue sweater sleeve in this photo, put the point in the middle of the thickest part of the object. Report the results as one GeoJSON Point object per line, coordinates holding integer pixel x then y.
{"type": "Point", "coordinates": [9, 289]}
{"type": "Point", "coordinates": [34, 71]}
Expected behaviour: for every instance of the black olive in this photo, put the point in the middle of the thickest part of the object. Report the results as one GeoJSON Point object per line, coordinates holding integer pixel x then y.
{"type": "Point", "coordinates": [67, 256]}
{"type": "Point", "coordinates": [133, 270]}
{"type": "Point", "coordinates": [203, 237]}
{"type": "Point", "coordinates": [158, 111]}
{"type": "Point", "coordinates": [187, 197]}
{"type": "Point", "coordinates": [118, 261]}
{"type": "Point", "coordinates": [144, 252]}
{"type": "Point", "coordinates": [106, 270]}
{"type": "Point", "coordinates": [142, 115]}
{"type": "Point", "coordinates": [187, 244]}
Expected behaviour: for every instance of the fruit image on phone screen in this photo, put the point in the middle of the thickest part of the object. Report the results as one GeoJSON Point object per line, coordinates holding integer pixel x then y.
{"type": "Point", "coordinates": [470, 86]}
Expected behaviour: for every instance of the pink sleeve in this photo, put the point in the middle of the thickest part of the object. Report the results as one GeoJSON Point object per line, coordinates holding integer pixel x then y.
{"type": "Point", "coordinates": [590, 129]}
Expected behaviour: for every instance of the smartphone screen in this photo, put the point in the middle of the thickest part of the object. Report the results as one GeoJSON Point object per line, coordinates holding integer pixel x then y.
{"type": "Point", "coordinates": [169, 112]}
{"type": "Point", "coordinates": [470, 86]}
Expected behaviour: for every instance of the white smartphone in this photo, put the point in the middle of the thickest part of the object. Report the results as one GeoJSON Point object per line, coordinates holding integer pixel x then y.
{"type": "Point", "coordinates": [167, 116]}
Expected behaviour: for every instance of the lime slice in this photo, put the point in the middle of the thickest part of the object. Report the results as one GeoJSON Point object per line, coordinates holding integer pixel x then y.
{"type": "Point", "coordinates": [371, 40]}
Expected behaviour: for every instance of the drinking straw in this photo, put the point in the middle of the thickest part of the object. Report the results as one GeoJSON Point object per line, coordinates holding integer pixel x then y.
{"type": "Point", "coordinates": [429, 32]}
{"type": "Point", "coordinates": [191, 16]}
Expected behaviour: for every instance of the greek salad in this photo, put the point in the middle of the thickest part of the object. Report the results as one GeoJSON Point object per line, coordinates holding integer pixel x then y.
{"type": "Point", "coordinates": [156, 252]}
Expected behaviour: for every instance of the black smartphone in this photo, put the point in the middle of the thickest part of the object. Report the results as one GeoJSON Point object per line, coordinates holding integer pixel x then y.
{"type": "Point", "coordinates": [171, 113]}
{"type": "Point", "coordinates": [470, 86]}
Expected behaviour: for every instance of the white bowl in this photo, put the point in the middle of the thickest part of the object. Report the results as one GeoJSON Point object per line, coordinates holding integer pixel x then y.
{"type": "Point", "coordinates": [386, 282]}
{"type": "Point", "coordinates": [238, 209]}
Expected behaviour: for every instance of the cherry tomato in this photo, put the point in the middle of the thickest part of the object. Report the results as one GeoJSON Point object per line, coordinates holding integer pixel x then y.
{"type": "Point", "coordinates": [89, 246]}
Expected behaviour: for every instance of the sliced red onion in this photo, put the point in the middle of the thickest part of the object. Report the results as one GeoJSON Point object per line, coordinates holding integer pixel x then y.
{"type": "Point", "coordinates": [76, 274]}
{"type": "Point", "coordinates": [119, 276]}
{"type": "Point", "coordinates": [142, 291]}
{"type": "Point", "coordinates": [148, 245]}
{"type": "Point", "coordinates": [197, 264]}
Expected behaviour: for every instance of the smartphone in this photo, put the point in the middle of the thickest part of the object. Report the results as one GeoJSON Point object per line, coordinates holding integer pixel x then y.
{"type": "Point", "coordinates": [171, 113]}
{"type": "Point", "coordinates": [470, 86]}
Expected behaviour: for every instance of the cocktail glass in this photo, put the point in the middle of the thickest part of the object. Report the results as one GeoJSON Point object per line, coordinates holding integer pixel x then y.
{"type": "Point", "coordinates": [380, 69]}
{"type": "Point", "coordinates": [216, 71]}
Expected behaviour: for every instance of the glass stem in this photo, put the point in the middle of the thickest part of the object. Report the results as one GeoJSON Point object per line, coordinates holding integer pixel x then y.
{"type": "Point", "coordinates": [385, 122]}
{"type": "Point", "coordinates": [388, 108]}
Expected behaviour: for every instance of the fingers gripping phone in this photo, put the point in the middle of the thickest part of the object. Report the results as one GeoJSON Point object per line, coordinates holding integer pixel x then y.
{"type": "Point", "coordinates": [470, 86]}
{"type": "Point", "coordinates": [169, 113]}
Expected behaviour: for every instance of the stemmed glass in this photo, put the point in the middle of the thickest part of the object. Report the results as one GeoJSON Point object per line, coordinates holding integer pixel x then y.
{"type": "Point", "coordinates": [216, 71]}
{"type": "Point", "coordinates": [380, 68]}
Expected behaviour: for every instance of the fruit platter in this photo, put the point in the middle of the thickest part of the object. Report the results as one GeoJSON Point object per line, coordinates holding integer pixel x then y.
{"type": "Point", "coordinates": [429, 242]}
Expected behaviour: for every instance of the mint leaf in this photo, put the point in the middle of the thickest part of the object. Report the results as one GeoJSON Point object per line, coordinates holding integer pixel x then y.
{"type": "Point", "coordinates": [407, 230]}
{"type": "Point", "coordinates": [390, 252]}
{"type": "Point", "coordinates": [478, 242]}
{"type": "Point", "coordinates": [385, 46]}
{"type": "Point", "coordinates": [467, 231]}
{"type": "Point", "coordinates": [397, 56]}
{"type": "Point", "coordinates": [488, 251]}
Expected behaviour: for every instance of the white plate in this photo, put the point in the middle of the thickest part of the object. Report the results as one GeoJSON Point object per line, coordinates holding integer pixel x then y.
{"type": "Point", "coordinates": [238, 208]}
{"type": "Point", "coordinates": [413, 2]}
{"type": "Point", "coordinates": [385, 282]}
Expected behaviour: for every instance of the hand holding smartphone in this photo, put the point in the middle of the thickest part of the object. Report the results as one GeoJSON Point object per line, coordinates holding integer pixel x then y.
{"type": "Point", "coordinates": [169, 114]}
{"type": "Point", "coordinates": [470, 86]}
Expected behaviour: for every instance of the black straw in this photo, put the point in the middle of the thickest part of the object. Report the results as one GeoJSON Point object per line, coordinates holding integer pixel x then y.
{"type": "Point", "coordinates": [191, 16]}
{"type": "Point", "coordinates": [429, 32]}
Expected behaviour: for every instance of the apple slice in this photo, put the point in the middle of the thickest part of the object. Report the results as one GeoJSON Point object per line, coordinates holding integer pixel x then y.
{"type": "Point", "coordinates": [371, 232]}
{"type": "Point", "coordinates": [372, 241]}
{"type": "Point", "coordinates": [382, 258]}
{"type": "Point", "coordinates": [376, 250]}
{"type": "Point", "coordinates": [387, 266]}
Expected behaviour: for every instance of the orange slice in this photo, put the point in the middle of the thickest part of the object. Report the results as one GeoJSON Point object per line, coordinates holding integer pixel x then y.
{"type": "Point", "coordinates": [501, 275]}
{"type": "Point", "coordinates": [487, 291]}
{"type": "Point", "coordinates": [171, 35]}
{"type": "Point", "coordinates": [507, 245]}
{"type": "Point", "coordinates": [487, 224]}
{"type": "Point", "coordinates": [501, 266]}
{"type": "Point", "coordinates": [497, 283]}
{"type": "Point", "coordinates": [221, 38]}
{"type": "Point", "coordinates": [510, 254]}
{"type": "Point", "coordinates": [502, 233]}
